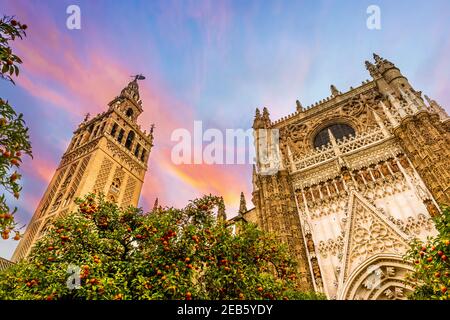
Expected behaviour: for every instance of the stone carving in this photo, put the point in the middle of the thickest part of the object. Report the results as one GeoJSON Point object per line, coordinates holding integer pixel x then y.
{"type": "Point", "coordinates": [368, 233]}
{"type": "Point", "coordinates": [331, 246]}
{"type": "Point", "coordinates": [103, 175]}
{"type": "Point", "coordinates": [341, 187]}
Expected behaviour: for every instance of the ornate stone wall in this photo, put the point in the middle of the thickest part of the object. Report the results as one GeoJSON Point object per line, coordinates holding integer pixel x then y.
{"type": "Point", "coordinates": [359, 198]}
{"type": "Point", "coordinates": [426, 141]}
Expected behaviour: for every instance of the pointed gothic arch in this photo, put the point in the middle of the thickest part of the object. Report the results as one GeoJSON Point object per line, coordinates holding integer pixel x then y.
{"type": "Point", "coordinates": [130, 139]}
{"type": "Point", "coordinates": [382, 277]}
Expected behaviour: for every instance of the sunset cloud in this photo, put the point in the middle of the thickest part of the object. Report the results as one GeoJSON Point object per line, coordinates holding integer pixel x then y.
{"type": "Point", "coordinates": [205, 60]}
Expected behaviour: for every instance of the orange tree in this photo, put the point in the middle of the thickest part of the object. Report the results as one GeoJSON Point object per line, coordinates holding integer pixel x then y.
{"type": "Point", "coordinates": [14, 139]}
{"type": "Point", "coordinates": [165, 254]}
{"type": "Point", "coordinates": [431, 276]}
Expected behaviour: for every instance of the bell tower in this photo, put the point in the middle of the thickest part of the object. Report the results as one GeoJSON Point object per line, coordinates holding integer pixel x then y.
{"type": "Point", "coordinates": [107, 154]}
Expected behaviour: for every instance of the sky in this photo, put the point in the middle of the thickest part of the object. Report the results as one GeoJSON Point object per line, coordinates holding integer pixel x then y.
{"type": "Point", "coordinates": [213, 61]}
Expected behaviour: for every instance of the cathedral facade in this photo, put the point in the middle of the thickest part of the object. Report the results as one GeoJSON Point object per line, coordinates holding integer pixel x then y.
{"type": "Point", "coordinates": [107, 154]}
{"type": "Point", "coordinates": [353, 179]}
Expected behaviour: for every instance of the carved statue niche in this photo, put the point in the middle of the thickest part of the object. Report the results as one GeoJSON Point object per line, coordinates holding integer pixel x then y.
{"type": "Point", "coordinates": [404, 162]}
{"type": "Point", "coordinates": [308, 194]}
{"type": "Point", "coordinates": [347, 176]}
{"type": "Point", "coordinates": [432, 210]}
{"type": "Point", "coordinates": [316, 193]}
{"type": "Point", "coordinates": [367, 175]}
{"type": "Point", "coordinates": [339, 185]}
{"type": "Point", "coordinates": [376, 172]}
{"type": "Point", "coordinates": [394, 166]}
{"type": "Point", "coordinates": [384, 169]}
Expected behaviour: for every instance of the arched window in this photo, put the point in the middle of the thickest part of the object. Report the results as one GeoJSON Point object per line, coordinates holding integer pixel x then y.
{"type": "Point", "coordinates": [68, 198]}
{"type": "Point", "coordinates": [120, 136]}
{"type": "Point", "coordinates": [129, 112]}
{"type": "Point", "coordinates": [136, 151]}
{"type": "Point", "coordinates": [57, 202]}
{"type": "Point", "coordinates": [95, 131]}
{"type": "Point", "coordinates": [143, 155]}
{"type": "Point", "coordinates": [79, 140]}
{"type": "Point", "coordinates": [114, 129]}
{"type": "Point", "coordinates": [339, 131]}
{"type": "Point", "coordinates": [67, 180]}
{"type": "Point", "coordinates": [130, 139]}
{"type": "Point", "coordinates": [116, 183]}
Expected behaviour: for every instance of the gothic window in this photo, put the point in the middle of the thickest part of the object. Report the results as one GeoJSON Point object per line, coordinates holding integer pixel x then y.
{"type": "Point", "coordinates": [120, 136]}
{"type": "Point", "coordinates": [67, 180]}
{"type": "Point", "coordinates": [46, 227]}
{"type": "Point", "coordinates": [103, 127]}
{"type": "Point", "coordinates": [115, 185]}
{"type": "Point", "coordinates": [339, 131]}
{"type": "Point", "coordinates": [95, 131]}
{"type": "Point", "coordinates": [114, 129]}
{"type": "Point", "coordinates": [143, 155]}
{"type": "Point", "coordinates": [130, 139]}
{"type": "Point", "coordinates": [68, 198]}
{"type": "Point", "coordinates": [136, 151]}
{"type": "Point", "coordinates": [79, 140]}
{"type": "Point", "coordinates": [129, 113]}
{"type": "Point", "coordinates": [57, 202]}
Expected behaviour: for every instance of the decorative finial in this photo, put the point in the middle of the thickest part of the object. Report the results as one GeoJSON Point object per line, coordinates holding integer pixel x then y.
{"type": "Point", "coordinates": [152, 127]}
{"type": "Point", "coordinates": [299, 106]}
{"type": "Point", "coordinates": [377, 58]}
{"type": "Point", "coordinates": [221, 215]}
{"type": "Point", "coordinates": [138, 77]}
{"type": "Point", "coordinates": [334, 91]}
{"type": "Point", "coordinates": [87, 116]}
{"type": "Point", "coordinates": [242, 204]}
{"type": "Point", "coordinates": [155, 205]}
{"type": "Point", "coordinates": [258, 122]}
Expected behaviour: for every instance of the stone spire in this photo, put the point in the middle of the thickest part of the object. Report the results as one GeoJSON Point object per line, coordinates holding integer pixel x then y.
{"type": "Point", "coordinates": [131, 91]}
{"type": "Point", "coordinates": [254, 178]}
{"type": "Point", "coordinates": [299, 106]}
{"type": "Point", "coordinates": [258, 122]}
{"type": "Point", "coordinates": [242, 204]}
{"type": "Point", "coordinates": [382, 63]}
{"type": "Point", "coordinates": [380, 124]}
{"type": "Point", "coordinates": [373, 70]}
{"type": "Point", "coordinates": [155, 205]}
{"type": "Point", "coordinates": [377, 58]}
{"type": "Point", "coordinates": [266, 117]}
{"type": "Point", "coordinates": [334, 90]}
{"type": "Point", "coordinates": [396, 105]}
{"type": "Point", "coordinates": [411, 104]}
{"type": "Point", "coordinates": [437, 108]}
{"type": "Point", "coordinates": [221, 215]}
{"type": "Point", "coordinates": [389, 115]}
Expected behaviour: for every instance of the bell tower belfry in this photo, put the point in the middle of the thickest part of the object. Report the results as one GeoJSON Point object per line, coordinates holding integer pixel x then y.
{"type": "Point", "coordinates": [107, 154]}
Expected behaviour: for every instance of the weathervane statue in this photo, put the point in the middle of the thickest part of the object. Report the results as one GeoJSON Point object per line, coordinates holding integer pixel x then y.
{"type": "Point", "coordinates": [138, 77]}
